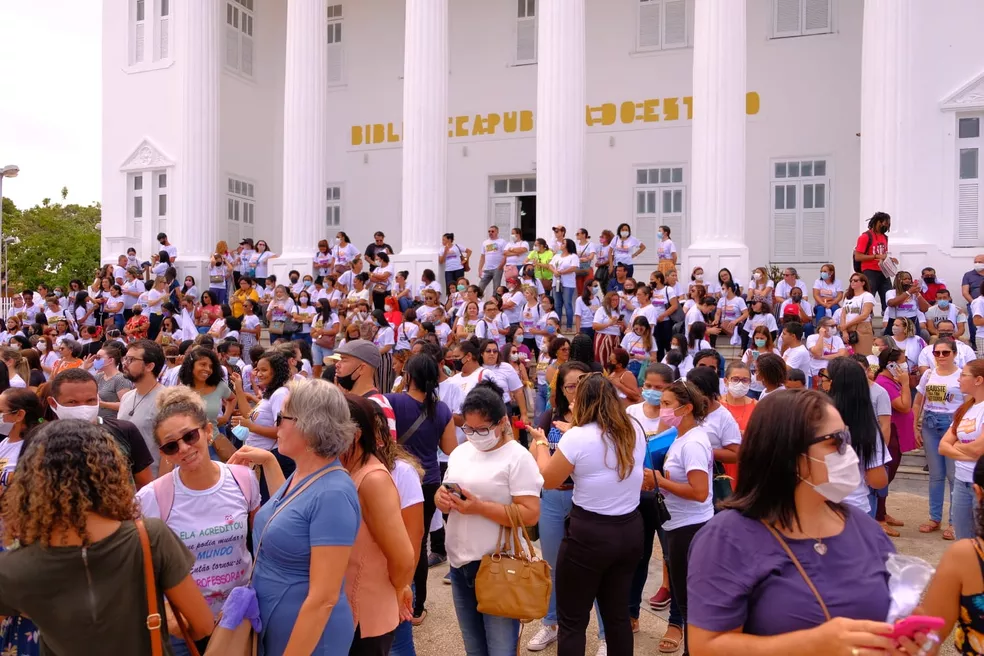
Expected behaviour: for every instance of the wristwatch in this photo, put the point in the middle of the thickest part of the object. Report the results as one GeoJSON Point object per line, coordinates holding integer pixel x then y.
{"type": "Point", "coordinates": [542, 443]}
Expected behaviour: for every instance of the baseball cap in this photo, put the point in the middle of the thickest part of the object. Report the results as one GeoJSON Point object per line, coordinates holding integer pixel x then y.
{"type": "Point", "coordinates": [361, 349]}
{"type": "Point", "coordinates": [791, 310]}
{"type": "Point", "coordinates": [560, 227]}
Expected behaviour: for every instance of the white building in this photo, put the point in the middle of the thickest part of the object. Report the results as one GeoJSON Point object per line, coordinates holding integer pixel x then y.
{"type": "Point", "coordinates": [759, 130]}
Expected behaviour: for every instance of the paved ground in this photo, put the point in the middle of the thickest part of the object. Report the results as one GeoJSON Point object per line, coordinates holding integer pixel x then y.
{"type": "Point", "coordinates": [439, 634]}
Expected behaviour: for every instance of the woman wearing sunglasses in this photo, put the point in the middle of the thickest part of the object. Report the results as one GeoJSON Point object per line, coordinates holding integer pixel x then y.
{"type": "Point", "coordinates": [197, 495]}
{"type": "Point", "coordinates": [937, 399]}
{"type": "Point", "coordinates": [797, 467]}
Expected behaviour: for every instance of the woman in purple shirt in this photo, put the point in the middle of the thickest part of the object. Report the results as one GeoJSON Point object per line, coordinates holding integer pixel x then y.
{"type": "Point", "coordinates": [746, 595]}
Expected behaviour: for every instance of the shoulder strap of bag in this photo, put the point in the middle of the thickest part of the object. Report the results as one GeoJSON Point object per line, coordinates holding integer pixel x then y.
{"type": "Point", "coordinates": [413, 428]}
{"type": "Point", "coordinates": [276, 512]}
{"type": "Point", "coordinates": [154, 620]}
{"type": "Point", "coordinates": [243, 477]}
{"type": "Point", "coordinates": [164, 493]}
{"type": "Point", "coordinates": [799, 567]}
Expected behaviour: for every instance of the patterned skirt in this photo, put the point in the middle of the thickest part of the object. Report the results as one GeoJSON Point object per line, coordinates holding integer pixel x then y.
{"type": "Point", "coordinates": [603, 347]}
{"type": "Point", "coordinates": [18, 637]}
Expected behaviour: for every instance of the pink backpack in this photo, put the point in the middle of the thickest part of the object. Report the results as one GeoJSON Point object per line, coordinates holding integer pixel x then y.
{"type": "Point", "coordinates": [164, 489]}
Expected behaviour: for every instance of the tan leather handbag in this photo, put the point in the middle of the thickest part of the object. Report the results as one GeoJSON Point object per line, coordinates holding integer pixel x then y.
{"type": "Point", "coordinates": [154, 618]}
{"type": "Point", "coordinates": [512, 582]}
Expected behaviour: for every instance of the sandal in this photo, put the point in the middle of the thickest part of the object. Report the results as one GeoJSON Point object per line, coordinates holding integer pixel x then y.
{"type": "Point", "coordinates": [948, 533]}
{"type": "Point", "coordinates": [670, 645]}
{"type": "Point", "coordinates": [929, 527]}
{"type": "Point", "coordinates": [891, 521]}
{"type": "Point", "coordinates": [889, 531]}
{"type": "Point", "coordinates": [419, 619]}
{"type": "Point", "coordinates": [634, 623]}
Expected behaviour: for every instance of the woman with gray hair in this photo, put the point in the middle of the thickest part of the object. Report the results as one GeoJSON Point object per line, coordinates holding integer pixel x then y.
{"type": "Point", "coordinates": [69, 353]}
{"type": "Point", "coordinates": [303, 538]}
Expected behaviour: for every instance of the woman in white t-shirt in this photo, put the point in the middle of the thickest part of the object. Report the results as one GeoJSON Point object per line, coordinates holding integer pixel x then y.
{"type": "Point", "coordinates": [345, 253]}
{"type": "Point", "coordinates": [856, 313]}
{"type": "Point", "coordinates": [382, 279]}
{"type": "Point", "coordinates": [502, 374]}
{"type": "Point", "coordinates": [685, 481]}
{"type": "Point", "coordinates": [485, 474]}
{"type": "Point", "coordinates": [278, 311]}
{"type": "Point", "coordinates": [323, 259]}
{"type": "Point", "coordinates": [719, 424]}
{"type": "Point", "coordinates": [516, 252]}
{"type": "Point", "coordinates": [493, 325]}
{"type": "Point", "coordinates": [585, 307]}
{"type": "Point", "coordinates": [260, 260]}
{"type": "Point", "coordinates": [964, 443]}
{"type": "Point", "coordinates": [639, 344]}
{"type": "Point", "coordinates": [514, 301]}
{"type": "Point", "coordinates": [903, 331]}
{"type": "Point", "coordinates": [905, 301]}
{"type": "Point", "coordinates": [626, 247]}
{"type": "Point", "coordinates": [608, 326]}
{"type": "Point", "coordinates": [603, 453]}
{"type": "Point", "coordinates": [761, 287]}
{"type": "Point", "coordinates": [20, 414]}
{"type": "Point", "coordinates": [564, 267]}
{"type": "Point", "coordinates": [824, 346]}
{"type": "Point", "coordinates": [666, 250]}
{"type": "Point", "coordinates": [200, 494]}
{"type": "Point", "coordinates": [828, 293]}
{"type": "Point", "coordinates": [304, 313]}
{"type": "Point", "coordinates": [464, 327]}
{"type": "Point", "coordinates": [731, 309]}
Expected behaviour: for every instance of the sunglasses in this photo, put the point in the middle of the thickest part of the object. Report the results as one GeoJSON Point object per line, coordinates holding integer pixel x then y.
{"type": "Point", "coordinates": [280, 418]}
{"type": "Point", "coordinates": [190, 438]}
{"type": "Point", "coordinates": [841, 438]}
{"type": "Point", "coordinates": [942, 354]}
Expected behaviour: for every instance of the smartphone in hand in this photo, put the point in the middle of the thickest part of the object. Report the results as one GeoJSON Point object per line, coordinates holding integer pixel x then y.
{"type": "Point", "coordinates": [455, 489]}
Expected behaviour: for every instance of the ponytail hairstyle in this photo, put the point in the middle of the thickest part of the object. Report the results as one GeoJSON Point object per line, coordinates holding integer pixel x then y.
{"type": "Point", "coordinates": [21, 367]}
{"type": "Point", "coordinates": [688, 394]}
{"type": "Point", "coordinates": [421, 371]}
{"type": "Point", "coordinates": [26, 400]}
{"type": "Point", "coordinates": [486, 400]}
{"type": "Point", "coordinates": [976, 369]}
{"type": "Point", "coordinates": [180, 400]}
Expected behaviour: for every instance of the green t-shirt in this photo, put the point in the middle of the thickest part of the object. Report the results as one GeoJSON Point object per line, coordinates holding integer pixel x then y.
{"type": "Point", "coordinates": [544, 259]}
{"type": "Point", "coordinates": [107, 616]}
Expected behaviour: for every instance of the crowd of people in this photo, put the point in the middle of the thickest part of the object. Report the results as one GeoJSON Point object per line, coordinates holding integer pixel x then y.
{"type": "Point", "coordinates": [324, 441]}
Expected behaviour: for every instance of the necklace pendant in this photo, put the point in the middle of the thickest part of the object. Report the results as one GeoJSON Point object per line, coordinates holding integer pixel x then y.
{"type": "Point", "coordinates": [820, 548]}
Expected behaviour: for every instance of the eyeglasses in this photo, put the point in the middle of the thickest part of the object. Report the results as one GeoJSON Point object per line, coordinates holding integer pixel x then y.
{"type": "Point", "coordinates": [823, 374]}
{"type": "Point", "coordinates": [190, 438]}
{"type": "Point", "coordinates": [491, 351]}
{"type": "Point", "coordinates": [481, 432]}
{"type": "Point", "coordinates": [841, 438]}
{"type": "Point", "coordinates": [280, 418]}
{"type": "Point", "coordinates": [746, 381]}
{"type": "Point", "coordinates": [942, 354]}
{"type": "Point", "coordinates": [128, 359]}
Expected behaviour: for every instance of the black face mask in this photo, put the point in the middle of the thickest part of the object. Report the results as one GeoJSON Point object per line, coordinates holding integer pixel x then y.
{"type": "Point", "coordinates": [884, 229]}
{"type": "Point", "coordinates": [293, 279]}
{"type": "Point", "coordinates": [346, 382]}
{"type": "Point", "coordinates": [796, 299]}
{"type": "Point", "coordinates": [929, 280]}
{"type": "Point", "coordinates": [456, 364]}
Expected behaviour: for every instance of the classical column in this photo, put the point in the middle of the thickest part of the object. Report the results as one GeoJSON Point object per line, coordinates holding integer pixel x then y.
{"type": "Point", "coordinates": [425, 127]}
{"type": "Point", "coordinates": [885, 151]}
{"type": "Point", "coordinates": [717, 207]}
{"type": "Point", "coordinates": [195, 229]}
{"type": "Point", "coordinates": [305, 132]}
{"type": "Point", "coordinates": [560, 124]}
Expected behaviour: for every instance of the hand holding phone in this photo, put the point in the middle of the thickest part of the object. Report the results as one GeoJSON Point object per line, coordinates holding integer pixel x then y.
{"type": "Point", "coordinates": [455, 489]}
{"type": "Point", "coordinates": [910, 626]}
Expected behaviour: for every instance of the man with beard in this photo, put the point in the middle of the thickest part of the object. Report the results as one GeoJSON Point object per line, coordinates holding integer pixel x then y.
{"type": "Point", "coordinates": [355, 367]}
{"type": "Point", "coordinates": [144, 360]}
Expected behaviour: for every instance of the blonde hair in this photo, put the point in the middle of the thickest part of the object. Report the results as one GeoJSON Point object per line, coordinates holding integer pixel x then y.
{"type": "Point", "coordinates": [596, 401]}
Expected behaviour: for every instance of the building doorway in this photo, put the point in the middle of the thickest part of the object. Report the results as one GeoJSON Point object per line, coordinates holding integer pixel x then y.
{"type": "Point", "coordinates": [527, 217]}
{"type": "Point", "coordinates": [513, 205]}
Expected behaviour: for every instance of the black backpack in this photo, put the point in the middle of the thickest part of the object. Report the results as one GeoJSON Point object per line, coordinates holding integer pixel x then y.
{"type": "Point", "coordinates": [866, 251]}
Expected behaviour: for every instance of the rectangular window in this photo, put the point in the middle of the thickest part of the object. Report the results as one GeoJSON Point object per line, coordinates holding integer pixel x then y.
{"type": "Point", "coordinates": [660, 199]}
{"type": "Point", "coordinates": [969, 230]}
{"type": "Point", "coordinates": [135, 205]}
{"type": "Point", "coordinates": [526, 32]}
{"type": "Point", "coordinates": [336, 53]}
{"type": "Point", "coordinates": [333, 206]}
{"type": "Point", "coordinates": [801, 17]}
{"type": "Point", "coordinates": [240, 209]}
{"type": "Point", "coordinates": [163, 29]}
{"type": "Point", "coordinates": [663, 24]}
{"type": "Point", "coordinates": [239, 36]}
{"type": "Point", "coordinates": [800, 216]}
{"type": "Point", "coordinates": [139, 27]}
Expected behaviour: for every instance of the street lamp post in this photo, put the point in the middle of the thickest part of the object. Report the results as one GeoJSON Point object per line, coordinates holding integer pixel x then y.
{"type": "Point", "coordinates": [9, 171]}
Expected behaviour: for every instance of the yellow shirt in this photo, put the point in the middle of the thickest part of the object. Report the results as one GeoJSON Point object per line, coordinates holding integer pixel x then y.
{"type": "Point", "coordinates": [239, 298]}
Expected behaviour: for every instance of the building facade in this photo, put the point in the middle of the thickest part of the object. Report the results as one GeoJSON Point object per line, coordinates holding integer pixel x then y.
{"type": "Point", "coordinates": [760, 131]}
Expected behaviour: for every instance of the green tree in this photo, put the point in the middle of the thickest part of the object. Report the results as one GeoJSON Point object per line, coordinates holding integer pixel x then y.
{"type": "Point", "coordinates": [52, 243]}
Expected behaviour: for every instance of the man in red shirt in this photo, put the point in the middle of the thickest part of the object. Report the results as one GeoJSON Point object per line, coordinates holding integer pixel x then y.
{"type": "Point", "coordinates": [932, 284]}
{"type": "Point", "coordinates": [871, 249]}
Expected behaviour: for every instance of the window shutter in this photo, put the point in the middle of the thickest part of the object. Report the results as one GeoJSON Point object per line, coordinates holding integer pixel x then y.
{"type": "Point", "coordinates": [138, 43]}
{"type": "Point", "coordinates": [787, 19]}
{"type": "Point", "coordinates": [526, 40]}
{"type": "Point", "coordinates": [968, 214]}
{"type": "Point", "coordinates": [232, 48]}
{"type": "Point", "coordinates": [645, 231]}
{"type": "Point", "coordinates": [816, 16]}
{"type": "Point", "coordinates": [163, 36]}
{"type": "Point", "coordinates": [137, 229]}
{"type": "Point", "coordinates": [783, 226]}
{"type": "Point", "coordinates": [504, 215]}
{"type": "Point", "coordinates": [673, 218]}
{"type": "Point", "coordinates": [335, 62]}
{"type": "Point", "coordinates": [247, 56]}
{"type": "Point", "coordinates": [814, 236]}
{"type": "Point", "coordinates": [650, 25]}
{"type": "Point", "coordinates": [675, 23]}
{"type": "Point", "coordinates": [234, 237]}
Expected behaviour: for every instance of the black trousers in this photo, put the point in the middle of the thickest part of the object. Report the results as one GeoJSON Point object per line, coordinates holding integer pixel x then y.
{"type": "Point", "coordinates": [379, 300]}
{"type": "Point", "coordinates": [664, 335]}
{"type": "Point", "coordinates": [437, 537]}
{"type": "Point", "coordinates": [596, 560]}
{"type": "Point", "coordinates": [420, 574]}
{"type": "Point", "coordinates": [678, 546]}
{"type": "Point", "coordinates": [878, 283]}
{"type": "Point", "coordinates": [375, 646]}
{"type": "Point", "coordinates": [650, 521]}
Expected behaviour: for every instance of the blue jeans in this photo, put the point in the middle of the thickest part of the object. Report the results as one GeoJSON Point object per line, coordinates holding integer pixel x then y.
{"type": "Point", "coordinates": [218, 295]}
{"type": "Point", "coordinates": [555, 506]}
{"type": "Point", "coordinates": [405, 303]}
{"type": "Point", "coordinates": [819, 312]}
{"type": "Point", "coordinates": [484, 635]}
{"type": "Point", "coordinates": [963, 503]}
{"type": "Point", "coordinates": [179, 647]}
{"type": "Point", "coordinates": [540, 403]}
{"type": "Point", "coordinates": [403, 638]}
{"type": "Point", "coordinates": [934, 426]}
{"type": "Point", "coordinates": [564, 303]}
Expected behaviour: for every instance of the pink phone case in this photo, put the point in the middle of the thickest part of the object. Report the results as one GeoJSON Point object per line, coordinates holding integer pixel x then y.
{"type": "Point", "coordinates": [913, 624]}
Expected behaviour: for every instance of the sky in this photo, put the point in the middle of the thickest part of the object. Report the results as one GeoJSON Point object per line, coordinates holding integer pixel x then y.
{"type": "Point", "coordinates": [51, 99]}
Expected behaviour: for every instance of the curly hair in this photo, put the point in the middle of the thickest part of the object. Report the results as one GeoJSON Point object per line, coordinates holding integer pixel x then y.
{"type": "Point", "coordinates": [186, 372]}
{"type": "Point", "coordinates": [70, 468]}
{"type": "Point", "coordinates": [281, 371]}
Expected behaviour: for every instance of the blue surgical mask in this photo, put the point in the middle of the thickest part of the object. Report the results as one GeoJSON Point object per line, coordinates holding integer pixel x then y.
{"type": "Point", "coordinates": [308, 283]}
{"type": "Point", "coordinates": [760, 342]}
{"type": "Point", "coordinates": [943, 304]}
{"type": "Point", "coordinates": [652, 397]}
{"type": "Point", "coordinates": [240, 432]}
{"type": "Point", "coordinates": [551, 330]}
{"type": "Point", "coordinates": [98, 363]}
{"type": "Point", "coordinates": [824, 275]}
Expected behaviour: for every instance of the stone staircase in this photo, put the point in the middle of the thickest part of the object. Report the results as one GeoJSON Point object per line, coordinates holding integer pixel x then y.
{"type": "Point", "coordinates": [913, 466]}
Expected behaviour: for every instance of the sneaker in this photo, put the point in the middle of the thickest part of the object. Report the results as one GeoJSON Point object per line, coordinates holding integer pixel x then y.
{"type": "Point", "coordinates": [435, 559]}
{"type": "Point", "coordinates": [602, 649]}
{"type": "Point", "coordinates": [660, 600]}
{"type": "Point", "coordinates": [447, 578]}
{"type": "Point", "coordinates": [544, 637]}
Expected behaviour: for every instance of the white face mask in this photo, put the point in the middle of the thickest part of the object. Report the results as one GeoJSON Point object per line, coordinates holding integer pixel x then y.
{"type": "Point", "coordinates": [486, 443]}
{"type": "Point", "coordinates": [624, 234]}
{"type": "Point", "coordinates": [515, 239]}
{"type": "Point", "coordinates": [514, 356]}
{"type": "Point", "coordinates": [87, 413]}
{"type": "Point", "coordinates": [979, 266]}
{"type": "Point", "coordinates": [6, 427]}
{"type": "Point", "coordinates": [738, 389]}
{"type": "Point", "coordinates": [843, 475]}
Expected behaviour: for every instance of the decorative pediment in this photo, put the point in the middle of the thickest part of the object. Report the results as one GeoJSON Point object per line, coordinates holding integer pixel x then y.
{"type": "Point", "coordinates": [146, 156]}
{"type": "Point", "coordinates": [969, 97]}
